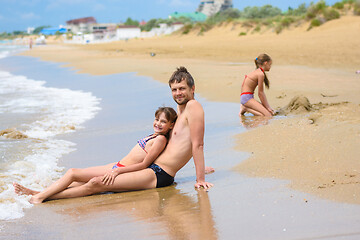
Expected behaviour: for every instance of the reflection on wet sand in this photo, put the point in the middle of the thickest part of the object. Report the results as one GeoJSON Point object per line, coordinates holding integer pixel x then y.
{"type": "Point", "coordinates": [253, 121]}
{"type": "Point", "coordinates": [169, 212]}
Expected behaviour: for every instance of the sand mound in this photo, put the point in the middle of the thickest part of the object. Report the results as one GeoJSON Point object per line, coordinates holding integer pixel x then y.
{"type": "Point", "coordinates": [297, 105]}
{"type": "Point", "coordinates": [13, 134]}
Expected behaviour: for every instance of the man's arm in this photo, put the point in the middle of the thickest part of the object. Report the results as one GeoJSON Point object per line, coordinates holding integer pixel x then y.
{"type": "Point", "coordinates": [196, 123]}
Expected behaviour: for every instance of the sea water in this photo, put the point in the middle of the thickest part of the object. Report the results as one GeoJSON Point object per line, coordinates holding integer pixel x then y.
{"type": "Point", "coordinates": [43, 114]}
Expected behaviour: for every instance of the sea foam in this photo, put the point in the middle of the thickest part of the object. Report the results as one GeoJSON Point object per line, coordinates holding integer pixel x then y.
{"type": "Point", "coordinates": [57, 111]}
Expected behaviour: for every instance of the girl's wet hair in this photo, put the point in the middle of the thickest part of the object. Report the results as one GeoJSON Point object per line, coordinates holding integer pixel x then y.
{"type": "Point", "coordinates": [181, 74]}
{"type": "Point", "coordinates": [259, 61]}
{"type": "Point", "coordinates": [170, 113]}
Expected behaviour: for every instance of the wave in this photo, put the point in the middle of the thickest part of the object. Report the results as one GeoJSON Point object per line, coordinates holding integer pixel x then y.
{"type": "Point", "coordinates": [42, 113]}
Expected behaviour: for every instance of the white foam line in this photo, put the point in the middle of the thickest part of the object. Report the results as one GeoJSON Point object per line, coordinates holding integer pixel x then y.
{"type": "Point", "coordinates": [59, 111]}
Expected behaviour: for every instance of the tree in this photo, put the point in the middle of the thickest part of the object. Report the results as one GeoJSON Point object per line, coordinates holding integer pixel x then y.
{"type": "Point", "coordinates": [261, 12]}
{"type": "Point", "coordinates": [19, 33]}
{"type": "Point", "coordinates": [39, 29]}
{"type": "Point", "coordinates": [149, 25]}
{"type": "Point", "coordinates": [231, 13]}
{"type": "Point", "coordinates": [131, 22]}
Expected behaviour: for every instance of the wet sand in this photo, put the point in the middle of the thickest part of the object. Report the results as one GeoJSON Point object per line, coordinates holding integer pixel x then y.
{"type": "Point", "coordinates": [319, 64]}
{"type": "Point", "coordinates": [236, 207]}
{"type": "Point", "coordinates": [315, 152]}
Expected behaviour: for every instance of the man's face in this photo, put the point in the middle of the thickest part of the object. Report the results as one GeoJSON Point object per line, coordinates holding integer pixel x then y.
{"type": "Point", "coordinates": [181, 92]}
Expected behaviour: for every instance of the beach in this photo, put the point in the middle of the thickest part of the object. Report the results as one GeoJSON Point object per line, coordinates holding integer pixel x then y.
{"type": "Point", "coordinates": [319, 64]}
{"type": "Point", "coordinates": [293, 177]}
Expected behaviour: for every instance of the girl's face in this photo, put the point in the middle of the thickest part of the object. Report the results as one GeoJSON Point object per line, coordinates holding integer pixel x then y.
{"type": "Point", "coordinates": [162, 125]}
{"type": "Point", "coordinates": [267, 65]}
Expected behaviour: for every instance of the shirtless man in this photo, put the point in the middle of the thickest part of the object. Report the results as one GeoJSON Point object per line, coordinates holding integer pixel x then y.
{"type": "Point", "coordinates": [186, 141]}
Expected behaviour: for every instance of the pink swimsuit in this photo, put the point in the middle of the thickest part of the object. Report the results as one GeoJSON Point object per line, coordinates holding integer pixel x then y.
{"type": "Point", "coordinates": [246, 96]}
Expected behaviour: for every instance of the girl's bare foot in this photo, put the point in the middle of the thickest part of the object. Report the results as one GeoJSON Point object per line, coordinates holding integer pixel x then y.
{"type": "Point", "coordinates": [21, 190]}
{"type": "Point", "coordinates": [35, 200]}
{"type": "Point", "coordinates": [209, 170]}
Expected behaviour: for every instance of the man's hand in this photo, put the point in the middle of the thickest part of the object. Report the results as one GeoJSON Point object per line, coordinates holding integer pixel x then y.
{"type": "Point", "coordinates": [205, 185]}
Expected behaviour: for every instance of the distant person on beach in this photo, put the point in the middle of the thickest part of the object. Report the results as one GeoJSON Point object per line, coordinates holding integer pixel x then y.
{"type": "Point", "coordinates": [186, 140]}
{"type": "Point", "coordinates": [30, 43]}
{"type": "Point", "coordinates": [255, 79]}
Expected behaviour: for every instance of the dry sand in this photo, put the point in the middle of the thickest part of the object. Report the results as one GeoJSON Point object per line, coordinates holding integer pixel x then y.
{"type": "Point", "coordinates": [318, 148]}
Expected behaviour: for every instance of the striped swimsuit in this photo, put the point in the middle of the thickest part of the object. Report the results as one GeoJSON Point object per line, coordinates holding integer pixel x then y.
{"type": "Point", "coordinates": [142, 143]}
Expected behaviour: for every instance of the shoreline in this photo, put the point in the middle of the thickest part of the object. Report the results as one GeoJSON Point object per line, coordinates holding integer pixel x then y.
{"type": "Point", "coordinates": [318, 152]}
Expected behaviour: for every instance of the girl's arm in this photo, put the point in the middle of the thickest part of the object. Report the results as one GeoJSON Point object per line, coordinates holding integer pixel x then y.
{"type": "Point", "coordinates": [157, 147]}
{"type": "Point", "coordinates": [262, 95]}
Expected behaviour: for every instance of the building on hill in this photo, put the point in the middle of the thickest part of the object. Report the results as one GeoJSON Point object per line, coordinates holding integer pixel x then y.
{"type": "Point", "coordinates": [30, 30]}
{"type": "Point", "coordinates": [126, 32]}
{"type": "Point", "coordinates": [103, 30]}
{"type": "Point", "coordinates": [212, 7]}
{"type": "Point", "coordinates": [195, 16]}
{"type": "Point", "coordinates": [83, 25]}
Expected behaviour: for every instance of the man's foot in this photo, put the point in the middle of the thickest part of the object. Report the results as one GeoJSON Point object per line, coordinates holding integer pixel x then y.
{"type": "Point", "coordinates": [21, 190]}
{"type": "Point", "coordinates": [209, 170]}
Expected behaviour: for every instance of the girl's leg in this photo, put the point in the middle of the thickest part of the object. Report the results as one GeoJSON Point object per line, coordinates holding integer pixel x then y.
{"type": "Point", "coordinates": [93, 169]}
{"type": "Point", "coordinates": [244, 109]}
{"type": "Point", "coordinates": [21, 190]}
{"type": "Point", "coordinates": [72, 175]}
{"type": "Point", "coordinates": [256, 108]}
{"type": "Point", "coordinates": [139, 180]}
{"type": "Point", "coordinates": [76, 184]}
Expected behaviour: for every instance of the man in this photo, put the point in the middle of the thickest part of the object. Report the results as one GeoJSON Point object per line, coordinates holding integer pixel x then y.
{"type": "Point", "coordinates": [187, 136]}
{"type": "Point", "coordinates": [186, 141]}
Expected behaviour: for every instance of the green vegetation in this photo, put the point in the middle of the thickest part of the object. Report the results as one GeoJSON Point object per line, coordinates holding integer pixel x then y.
{"type": "Point", "coordinates": [315, 22]}
{"type": "Point", "coordinates": [300, 11]}
{"type": "Point", "coordinates": [257, 29]}
{"type": "Point", "coordinates": [257, 19]}
{"type": "Point", "coordinates": [187, 28]}
{"type": "Point", "coordinates": [13, 35]}
{"type": "Point", "coordinates": [5, 35]}
{"type": "Point", "coordinates": [131, 22]}
{"type": "Point", "coordinates": [254, 19]}
{"type": "Point", "coordinates": [357, 8]}
{"type": "Point", "coordinates": [156, 21]}
{"type": "Point", "coordinates": [338, 5]}
{"type": "Point", "coordinates": [266, 11]}
{"type": "Point", "coordinates": [331, 14]}
{"type": "Point", "coordinates": [38, 29]}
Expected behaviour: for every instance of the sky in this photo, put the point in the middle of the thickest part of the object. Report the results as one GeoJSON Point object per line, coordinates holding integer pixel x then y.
{"type": "Point", "coordinates": [18, 15]}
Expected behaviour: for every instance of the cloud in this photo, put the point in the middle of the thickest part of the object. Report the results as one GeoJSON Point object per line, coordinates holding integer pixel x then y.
{"type": "Point", "coordinates": [29, 16]}
{"type": "Point", "coordinates": [64, 3]}
{"type": "Point", "coordinates": [99, 7]}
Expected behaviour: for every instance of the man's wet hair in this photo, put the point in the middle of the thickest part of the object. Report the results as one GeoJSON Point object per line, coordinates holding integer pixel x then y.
{"type": "Point", "coordinates": [181, 74]}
